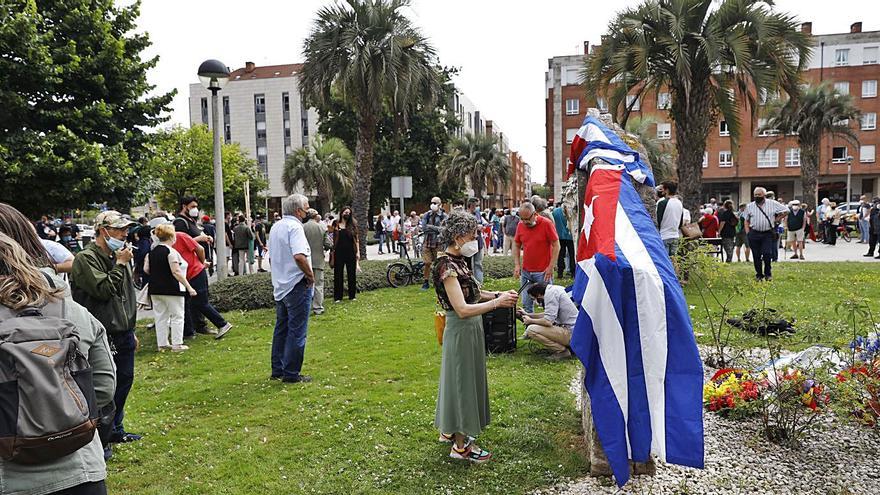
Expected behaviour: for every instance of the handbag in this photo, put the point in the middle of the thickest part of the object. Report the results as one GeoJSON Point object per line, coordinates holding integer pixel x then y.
{"type": "Point", "coordinates": [439, 325]}
{"type": "Point", "coordinates": [143, 298]}
{"type": "Point", "coordinates": [691, 230]}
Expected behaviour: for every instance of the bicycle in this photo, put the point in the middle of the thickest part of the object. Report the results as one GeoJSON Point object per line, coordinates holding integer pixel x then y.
{"type": "Point", "coordinates": [400, 274]}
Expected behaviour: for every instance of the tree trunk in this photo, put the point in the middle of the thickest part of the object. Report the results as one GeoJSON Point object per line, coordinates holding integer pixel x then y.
{"type": "Point", "coordinates": [693, 119]}
{"type": "Point", "coordinates": [363, 166]}
{"type": "Point", "coordinates": [810, 172]}
{"type": "Point", "coordinates": [323, 200]}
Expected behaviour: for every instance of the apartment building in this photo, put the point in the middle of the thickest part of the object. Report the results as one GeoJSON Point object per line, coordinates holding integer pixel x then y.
{"type": "Point", "coordinates": [847, 60]}
{"type": "Point", "coordinates": [264, 112]}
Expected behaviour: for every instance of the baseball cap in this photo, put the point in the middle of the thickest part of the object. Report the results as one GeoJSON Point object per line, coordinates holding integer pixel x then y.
{"type": "Point", "coordinates": [112, 220]}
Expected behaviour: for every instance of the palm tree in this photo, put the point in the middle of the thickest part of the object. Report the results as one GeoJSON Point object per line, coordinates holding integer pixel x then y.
{"type": "Point", "coordinates": [476, 158]}
{"type": "Point", "coordinates": [818, 111]}
{"type": "Point", "coordinates": [324, 166]}
{"type": "Point", "coordinates": [370, 53]}
{"type": "Point", "coordinates": [659, 152]}
{"type": "Point", "coordinates": [712, 60]}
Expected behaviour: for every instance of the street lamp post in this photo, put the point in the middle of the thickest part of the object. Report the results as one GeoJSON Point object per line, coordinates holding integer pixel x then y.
{"type": "Point", "coordinates": [213, 75]}
{"type": "Point", "coordinates": [849, 160]}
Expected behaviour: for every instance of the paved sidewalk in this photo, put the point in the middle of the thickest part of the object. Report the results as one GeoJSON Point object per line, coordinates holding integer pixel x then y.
{"type": "Point", "coordinates": [843, 251]}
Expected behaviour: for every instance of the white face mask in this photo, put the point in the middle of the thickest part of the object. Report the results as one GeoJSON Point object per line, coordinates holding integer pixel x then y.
{"type": "Point", "coordinates": [470, 248]}
{"type": "Point", "coordinates": [795, 208]}
{"type": "Point", "coordinates": [435, 207]}
{"type": "Point", "coordinates": [194, 212]}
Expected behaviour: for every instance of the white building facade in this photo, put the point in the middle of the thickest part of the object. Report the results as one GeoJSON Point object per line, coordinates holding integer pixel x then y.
{"type": "Point", "coordinates": [263, 111]}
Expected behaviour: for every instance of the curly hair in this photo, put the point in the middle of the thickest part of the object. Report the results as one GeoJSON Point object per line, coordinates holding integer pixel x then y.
{"type": "Point", "coordinates": [458, 224]}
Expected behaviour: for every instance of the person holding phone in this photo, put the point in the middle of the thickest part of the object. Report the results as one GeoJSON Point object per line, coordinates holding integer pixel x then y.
{"type": "Point", "coordinates": [101, 280]}
{"type": "Point", "coordinates": [463, 399]}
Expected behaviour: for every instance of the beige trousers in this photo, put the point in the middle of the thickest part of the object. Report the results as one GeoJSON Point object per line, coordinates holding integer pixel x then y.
{"type": "Point", "coordinates": [554, 338]}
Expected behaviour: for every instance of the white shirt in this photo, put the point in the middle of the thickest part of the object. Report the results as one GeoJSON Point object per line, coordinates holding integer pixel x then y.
{"type": "Point", "coordinates": [286, 240]}
{"type": "Point", "coordinates": [559, 309]}
{"type": "Point", "coordinates": [57, 252]}
{"type": "Point", "coordinates": [671, 222]}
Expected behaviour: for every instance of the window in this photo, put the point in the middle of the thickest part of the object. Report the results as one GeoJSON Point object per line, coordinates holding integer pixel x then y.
{"type": "Point", "coordinates": [722, 128]}
{"type": "Point", "coordinates": [602, 103]}
{"type": "Point", "coordinates": [725, 159]}
{"type": "Point", "coordinates": [285, 102]}
{"type": "Point", "coordinates": [225, 105]}
{"type": "Point", "coordinates": [569, 135]}
{"type": "Point", "coordinates": [842, 87]}
{"type": "Point", "coordinates": [762, 123]}
{"type": "Point", "coordinates": [841, 122]}
{"type": "Point", "coordinates": [227, 125]}
{"type": "Point", "coordinates": [869, 88]}
{"type": "Point", "coordinates": [768, 158]}
{"type": "Point", "coordinates": [260, 104]}
{"type": "Point", "coordinates": [705, 159]}
{"type": "Point", "coordinates": [204, 110]}
{"type": "Point", "coordinates": [869, 54]}
{"type": "Point", "coordinates": [867, 153]}
{"type": "Point", "coordinates": [869, 121]}
{"type": "Point", "coordinates": [793, 157]}
{"type": "Point", "coordinates": [664, 101]}
{"type": "Point", "coordinates": [838, 154]}
{"type": "Point", "coordinates": [572, 106]}
{"type": "Point", "coordinates": [841, 56]}
{"type": "Point", "coordinates": [664, 130]}
{"type": "Point", "coordinates": [287, 150]}
{"type": "Point", "coordinates": [633, 102]}
{"type": "Point", "coordinates": [261, 151]}
{"type": "Point", "coordinates": [572, 76]}
{"type": "Point", "coordinates": [227, 133]}
{"type": "Point", "coordinates": [287, 130]}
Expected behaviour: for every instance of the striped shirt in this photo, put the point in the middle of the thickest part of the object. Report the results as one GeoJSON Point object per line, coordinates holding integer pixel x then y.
{"type": "Point", "coordinates": [759, 221]}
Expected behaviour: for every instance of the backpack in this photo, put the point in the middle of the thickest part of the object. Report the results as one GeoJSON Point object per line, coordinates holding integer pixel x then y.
{"type": "Point", "coordinates": [47, 400]}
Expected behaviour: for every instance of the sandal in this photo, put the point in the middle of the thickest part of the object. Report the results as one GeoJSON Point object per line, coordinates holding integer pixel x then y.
{"type": "Point", "coordinates": [471, 453]}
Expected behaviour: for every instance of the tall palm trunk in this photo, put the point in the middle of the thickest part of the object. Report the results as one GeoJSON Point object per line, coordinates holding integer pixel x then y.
{"type": "Point", "coordinates": [363, 165]}
{"type": "Point", "coordinates": [810, 170]}
{"type": "Point", "coordinates": [323, 199]}
{"type": "Point", "coordinates": [692, 121]}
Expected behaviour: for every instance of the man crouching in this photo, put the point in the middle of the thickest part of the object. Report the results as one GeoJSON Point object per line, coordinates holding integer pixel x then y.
{"type": "Point", "coordinates": [552, 328]}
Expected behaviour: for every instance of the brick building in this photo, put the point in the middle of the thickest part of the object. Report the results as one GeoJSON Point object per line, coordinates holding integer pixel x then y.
{"type": "Point", "coordinates": [848, 60]}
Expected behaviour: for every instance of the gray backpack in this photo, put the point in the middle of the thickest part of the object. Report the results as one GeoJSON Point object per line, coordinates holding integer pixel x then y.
{"type": "Point", "coordinates": [47, 399]}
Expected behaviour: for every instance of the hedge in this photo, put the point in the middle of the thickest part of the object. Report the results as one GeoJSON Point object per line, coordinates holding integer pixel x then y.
{"type": "Point", "coordinates": [255, 291]}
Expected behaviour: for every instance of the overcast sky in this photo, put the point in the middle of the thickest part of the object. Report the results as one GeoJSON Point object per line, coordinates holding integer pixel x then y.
{"type": "Point", "coordinates": [501, 47]}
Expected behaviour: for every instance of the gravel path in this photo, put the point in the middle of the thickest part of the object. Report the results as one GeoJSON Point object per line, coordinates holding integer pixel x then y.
{"type": "Point", "coordinates": [834, 459]}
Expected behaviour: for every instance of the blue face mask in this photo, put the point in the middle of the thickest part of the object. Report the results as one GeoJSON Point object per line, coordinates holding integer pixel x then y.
{"type": "Point", "coordinates": [65, 238]}
{"type": "Point", "coordinates": [114, 244]}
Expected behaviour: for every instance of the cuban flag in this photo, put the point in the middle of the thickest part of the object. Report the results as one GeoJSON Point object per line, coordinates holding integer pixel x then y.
{"type": "Point", "coordinates": [633, 333]}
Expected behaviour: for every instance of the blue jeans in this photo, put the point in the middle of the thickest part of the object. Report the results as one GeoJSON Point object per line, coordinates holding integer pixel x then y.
{"type": "Point", "coordinates": [477, 260]}
{"type": "Point", "coordinates": [381, 239]}
{"type": "Point", "coordinates": [864, 226]}
{"type": "Point", "coordinates": [125, 343]}
{"type": "Point", "coordinates": [291, 328]}
{"type": "Point", "coordinates": [533, 277]}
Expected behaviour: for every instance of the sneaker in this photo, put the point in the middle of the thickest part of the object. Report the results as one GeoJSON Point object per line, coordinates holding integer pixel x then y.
{"type": "Point", "coordinates": [337, 301]}
{"type": "Point", "coordinates": [223, 331]}
{"type": "Point", "coordinates": [108, 452]}
{"type": "Point", "coordinates": [471, 453]}
{"type": "Point", "coordinates": [794, 257]}
{"type": "Point", "coordinates": [163, 348]}
{"type": "Point", "coordinates": [426, 286]}
{"type": "Point", "coordinates": [802, 257]}
{"type": "Point", "coordinates": [297, 379]}
{"type": "Point", "coordinates": [559, 356]}
{"type": "Point", "coordinates": [179, 348]}
{"type": "Point", "coordinates": [124, 437]}
{"type": "Point", "coordinates": [868, 255]}
{"type": "Point", "coordinates": [444, 438]}
{"type": "Point", "coordinates": [275, 377]}
{"type": "Point", "coordinates": [207, 331]}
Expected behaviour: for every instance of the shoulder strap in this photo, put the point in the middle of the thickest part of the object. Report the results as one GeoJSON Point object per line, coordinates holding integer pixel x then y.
{"type": "Point", "coordinates": [765, 215]}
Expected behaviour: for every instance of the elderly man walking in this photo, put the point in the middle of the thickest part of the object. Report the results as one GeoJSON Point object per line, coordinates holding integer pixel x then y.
{"type": "Point", "coordinates": [292, 283]}
{"type": "Point", "coordinates": [760, 218]}
{"type": "Point", "coordinates": [536, 237]}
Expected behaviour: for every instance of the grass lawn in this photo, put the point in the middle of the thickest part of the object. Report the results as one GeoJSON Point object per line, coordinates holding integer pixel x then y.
{"type": "Point", "coordinates": [214, 423]}
{"type": "Point", "coordinates": [803, 291]}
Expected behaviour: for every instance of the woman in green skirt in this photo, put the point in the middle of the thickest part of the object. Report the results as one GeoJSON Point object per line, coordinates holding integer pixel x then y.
{"type": "Point", "coordinates": [463, 398]}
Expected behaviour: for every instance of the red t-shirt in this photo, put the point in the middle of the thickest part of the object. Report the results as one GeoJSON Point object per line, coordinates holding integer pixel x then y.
{"type": "Point", "coordinates": [710, 226]}
{"type": "Point", "coordinates": [187, 247]}
{"type": "Point", "coordinates": [537, 243]}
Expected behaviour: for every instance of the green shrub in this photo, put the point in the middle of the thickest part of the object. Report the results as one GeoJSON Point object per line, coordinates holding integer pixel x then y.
{"type": "Point", "coordinates": [254, 291]}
